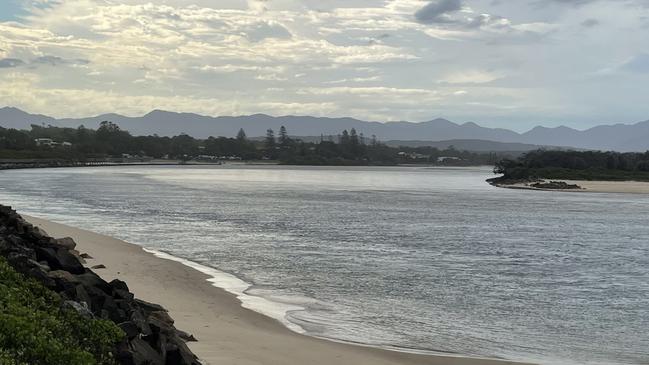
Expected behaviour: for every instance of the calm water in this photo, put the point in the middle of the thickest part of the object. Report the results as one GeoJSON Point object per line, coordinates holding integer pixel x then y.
{"type": "Point", "coordinates": [417, 258]}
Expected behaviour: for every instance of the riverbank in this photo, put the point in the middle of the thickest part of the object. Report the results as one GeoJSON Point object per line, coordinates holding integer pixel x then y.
{"type": "Point", "coordinates": [626, 187]}
{"type": "Point", "coordinates": [227, 333]}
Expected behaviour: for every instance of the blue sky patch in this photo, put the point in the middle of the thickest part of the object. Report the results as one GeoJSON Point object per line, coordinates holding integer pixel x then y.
{"type": "Point", "coordinates": [10, 10]}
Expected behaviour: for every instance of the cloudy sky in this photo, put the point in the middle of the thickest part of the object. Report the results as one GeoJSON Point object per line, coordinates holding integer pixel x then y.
{"type": "Point", "coordinates": [505, 63]}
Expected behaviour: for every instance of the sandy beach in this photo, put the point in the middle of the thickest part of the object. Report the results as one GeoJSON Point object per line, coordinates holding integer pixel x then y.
{"type": "Point", "coordinates": [633, 187]}
{"type": "Point", "coordinates": [628, 187]}
{"type": "Point", "coordinates": [227, 333]}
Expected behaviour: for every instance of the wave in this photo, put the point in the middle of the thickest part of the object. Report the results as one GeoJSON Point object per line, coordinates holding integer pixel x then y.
{"type": "Point", "coordinates": [275, 309]}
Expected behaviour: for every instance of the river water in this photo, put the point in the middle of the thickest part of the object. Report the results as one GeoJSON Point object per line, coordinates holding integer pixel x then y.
{"type": "Point", "coordinates": [420, 259]}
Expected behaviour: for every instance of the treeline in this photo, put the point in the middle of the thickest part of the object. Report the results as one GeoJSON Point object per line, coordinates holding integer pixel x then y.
{"type": "Point", "coordinates": [109, 140]}
{"type": "Point", "coordinates": [576, 165]}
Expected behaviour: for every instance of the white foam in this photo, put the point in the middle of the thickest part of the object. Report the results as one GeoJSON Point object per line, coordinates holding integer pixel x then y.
{"type": "Point", "coordinates": [232, 284]}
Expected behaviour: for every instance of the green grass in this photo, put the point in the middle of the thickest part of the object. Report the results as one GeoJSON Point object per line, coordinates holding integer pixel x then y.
{"type": "Point", "coordinates": [35, 330]}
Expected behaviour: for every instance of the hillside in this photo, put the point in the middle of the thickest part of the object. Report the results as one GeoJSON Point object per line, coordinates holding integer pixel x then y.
{"type": "Point", "coordinates": [619, 137]}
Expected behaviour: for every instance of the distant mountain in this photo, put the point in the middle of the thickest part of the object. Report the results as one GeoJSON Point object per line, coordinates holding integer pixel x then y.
{"type": "Point", "coordinates": [620, 137]}
{"type": "Point", "coordinates": [475, 145]}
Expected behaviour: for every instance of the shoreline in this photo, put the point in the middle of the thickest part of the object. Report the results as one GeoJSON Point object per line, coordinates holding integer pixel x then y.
{"type": "Point", "coordinates": [226, 330]}
{"type": "Point", "coordinates": [586, 186]}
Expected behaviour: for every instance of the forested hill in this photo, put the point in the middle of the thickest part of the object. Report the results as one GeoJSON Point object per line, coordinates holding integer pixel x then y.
{"type": "Point", "coordinates": [617, 137]}
{"type": "Point", "coordinates": [575, 165]}
{"type": "Point", "coordinates": [110, 141]}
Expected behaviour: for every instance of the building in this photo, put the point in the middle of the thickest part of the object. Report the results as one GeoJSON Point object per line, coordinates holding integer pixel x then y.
{"type": "Point", "coordinates": [447, 158]}
{"type": "Point", "coordinates": [44, 142]}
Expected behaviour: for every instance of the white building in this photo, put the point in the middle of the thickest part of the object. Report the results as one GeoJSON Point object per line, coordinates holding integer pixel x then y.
{"type": "Point", "coordinates": [44, 141]}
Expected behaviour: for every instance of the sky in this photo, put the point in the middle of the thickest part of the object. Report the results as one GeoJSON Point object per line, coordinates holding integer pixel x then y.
{"type": "Point", "coordinates": [499, 63]}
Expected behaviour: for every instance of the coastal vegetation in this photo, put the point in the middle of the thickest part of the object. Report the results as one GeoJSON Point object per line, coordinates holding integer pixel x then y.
{"type": "Point", "coordinates": [111, 141]}
{"type": "Point", "coordinates": [35, 328]}
{"type": "Point", "coordinates": [574, 165]}
{"type": "Point", "coordinates": [55, 311]}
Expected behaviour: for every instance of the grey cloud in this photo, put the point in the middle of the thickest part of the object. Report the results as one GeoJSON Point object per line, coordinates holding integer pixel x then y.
{"type": "Point", "coordinates": [589, 23]}
{"type": "Point", "coordinates": [11, 62]}
{"type": "Point", "coordinates": [483, 20]}
{"type": "Point", "coordinates": [437, 11]}
{"type": "Point", "coordinates": [441, 12]}
{"type": "Point", "coordinates": [56, 61]}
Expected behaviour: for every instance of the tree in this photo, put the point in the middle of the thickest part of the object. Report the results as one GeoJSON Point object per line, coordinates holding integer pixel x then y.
{"type": "Point", "coordinates": [241, 135]}
{"type": "Point", "coordinates": [353, 138]}
{"type": "Point", "coordinates": [270, 143]}
{"type": "Point", "coordinates": [283, 137]}
{"type": "Point", "coordinates": [344, 138]}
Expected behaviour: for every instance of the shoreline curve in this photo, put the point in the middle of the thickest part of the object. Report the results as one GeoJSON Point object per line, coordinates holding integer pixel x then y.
{"type": "Point", "coordinates": [226, 330]}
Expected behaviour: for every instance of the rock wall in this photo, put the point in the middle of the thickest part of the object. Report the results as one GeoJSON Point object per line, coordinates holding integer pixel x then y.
{"type": "Point", "coordinates": [151, 338]}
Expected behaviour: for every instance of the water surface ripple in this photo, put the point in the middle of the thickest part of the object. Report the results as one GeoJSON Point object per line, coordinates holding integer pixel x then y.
{"type": "Point", "coordinates": [417, 258]}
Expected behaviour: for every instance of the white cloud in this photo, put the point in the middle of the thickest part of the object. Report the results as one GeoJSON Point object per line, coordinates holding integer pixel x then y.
{"type": "Point", "coordinates": [374, 59]}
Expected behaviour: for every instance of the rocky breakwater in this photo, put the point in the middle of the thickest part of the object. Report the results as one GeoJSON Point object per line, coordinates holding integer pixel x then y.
{"type": "Point", "coordinates": [150, 336]}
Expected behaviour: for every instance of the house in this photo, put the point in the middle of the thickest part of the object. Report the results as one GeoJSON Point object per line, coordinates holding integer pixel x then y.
{"type": "Point", "coordinates": [446, 158]}
{"type": "Point", "coordinates": [44, 142]}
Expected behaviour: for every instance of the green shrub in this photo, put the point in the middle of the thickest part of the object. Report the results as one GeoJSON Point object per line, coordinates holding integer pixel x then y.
{"type": "Point", "coordinates": [35, 330]}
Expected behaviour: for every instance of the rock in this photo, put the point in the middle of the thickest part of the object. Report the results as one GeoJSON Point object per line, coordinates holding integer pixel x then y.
{"type": "Point", "coordinates": [138, 318]}
{"type": "Point", "coordinates": [100, 266]}
{"type": "Point", "coordinates": [20, 262]}
{"type": "Point", "coordinates": [76, 254]}
{"type": "Point", "coordinates": [123, 354]}
{"type": "Point", "coordinates": [63, 275]}
{"type": "Point", "coordinates": [555, 185]}
{"type": "Point", "coordinates": [41, 276]}
{"type": "Point", "coordinates": [66, 242]}
{"type": "Point", "coordinates": [63, 280]}
{"type": "Point", "coordinates": [149, 307]}
{"type": "Point", "coordinates": [86, 256]}
{"type": "Point", "coordinates": [118, 284]}
{"type": "Point", "coordinates": [60, 259]}
{"type": "Point", "coordinates": [144, 354]}
{"type": "Point", "coordinates": [162, 316]}
{"type": "Point", "coordinates": [186, 336]}
{"type": "Point", "coordinates": [41, 265]}
{"type": "Point", "coordinates": [81, 308]}
{"type": "Point", "coordinates": [40, 232]}
{"type": "Point", "coordinates": [123, 294]}
{"type": "Point", "coordinates": [159, 326]}
{"type": "Point", "coordinates": [81, 295]}
{"type": "Point", "coordinates": [179, 353]}
{"type": "Point", "coordinates": [130, 329]}
{"type": "Point", "coordinates": [5, 246]}
{"type": "Point", "coordinates": [90, 279]}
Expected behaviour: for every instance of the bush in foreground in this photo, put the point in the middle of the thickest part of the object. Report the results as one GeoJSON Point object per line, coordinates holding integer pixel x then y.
{"type": "Point", "coordinates": [34, 329]}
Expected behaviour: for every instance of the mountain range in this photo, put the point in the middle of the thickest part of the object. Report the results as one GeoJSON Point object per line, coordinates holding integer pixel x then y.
{"type": "Point", "coordinates": [618, 137]}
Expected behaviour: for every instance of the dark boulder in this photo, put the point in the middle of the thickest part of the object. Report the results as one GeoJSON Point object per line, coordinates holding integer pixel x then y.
{"type": "Point", "coordinates": [118, 284]}
{"type": "Point", "coordinates": [130, 329]}
{"type": "Point", "coordinates": [186, 336]}
{"type": "Point", "coordinates": [179, 353]}
{"type": "Point", "coordinates": [149, 307]}
{"type": "Point", "coordinates": [63, 280]}
{"type": "Point", "coordinates": [60, 259]}
{"type": "Point", "coordinates": [66, 242]}
{"type": "Point", "coordinates": [90, 279]}
{"type": "Point", "coordinates": [144, 354]}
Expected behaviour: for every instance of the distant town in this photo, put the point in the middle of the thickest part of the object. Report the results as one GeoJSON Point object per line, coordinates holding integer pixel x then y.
{"type": "Point", "coordinates": [110, 143]}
